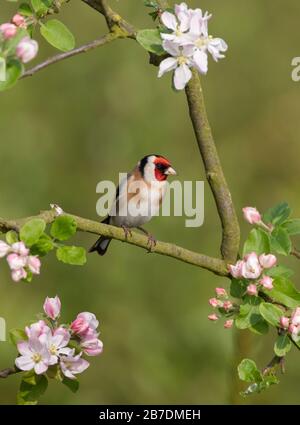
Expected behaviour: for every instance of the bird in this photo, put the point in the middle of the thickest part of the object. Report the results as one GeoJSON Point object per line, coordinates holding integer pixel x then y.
{"type": "Point", "coordinates": [138, 198]}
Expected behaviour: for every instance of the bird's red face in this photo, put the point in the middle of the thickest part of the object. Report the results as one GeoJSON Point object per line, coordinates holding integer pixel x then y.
{"type": "Point", "coordinates": [162, 168]}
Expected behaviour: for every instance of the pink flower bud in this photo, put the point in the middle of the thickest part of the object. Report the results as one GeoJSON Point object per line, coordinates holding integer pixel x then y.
{"type": "Point", "coordinates": [20, 248]}
{"type": "Point", "coordinates": [18, 274]}
{"type": "Point", "coordinates": [295, 318]}
{"type": "Point", "coordinates": [251, 215]}
{"type": "Point", "coordinates": [34, 264]}
{"type": "Point", "coordinates": [4, 249]}
{"type": "Point", "coordinates": [27, 49]}
{"type": "Point", "coordinates": [227, 305]}
{"type": "Point", "coordinates": [79, 326]}
{"type": "Point", "coordinates": [16, 261]}
{"type": "Point", "coordinates": [19, 20]}
{"type": "Point", "coordinates": [251, 289]}
{"type": "Point", "coordinates": [293, 330]}
{"type": "Point", "coordinates": [8, 30]}
{"type": "Point", "coordinates": [228, 324]}
{"type": "Point", "coordinates": [213, 317]}
{"type": "Point", "coordinates": [214, 302]}
{"type": "Point", "coordinates": [92, 346]}
{"type": "Point", "coordinates": [236, 270]}
{"type": "Point", "coordinates": [267, 260]}
{"type": "Point", "coordinates": [52, 307]}
{"type": "Point", "coordinates": [221, 292]}
{"type": "Point", "coordinates": [267, 282]}
{"type": "Point", "coordinates": [284, 322]}
{"type": "Point", "coordinates": [251, 268]}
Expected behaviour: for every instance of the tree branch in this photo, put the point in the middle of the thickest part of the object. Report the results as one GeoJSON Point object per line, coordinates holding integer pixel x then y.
{"type": "Point", "coordinates": [212, 264]}
{"type": "Point", "coordinates": [213, 169]}
{"type": "Point", "coordinates": [5, 373]}
{"type": "Point", "coordinates": [82, 49]}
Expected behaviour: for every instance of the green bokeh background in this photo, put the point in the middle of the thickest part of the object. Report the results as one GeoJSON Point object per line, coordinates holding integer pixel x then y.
{"type": "Point", "coordinates": [86, 119]}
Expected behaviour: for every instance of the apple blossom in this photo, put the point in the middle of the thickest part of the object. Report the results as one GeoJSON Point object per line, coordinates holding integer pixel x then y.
{"type": "Point", "coordinates": [72, 365]}
{"type": "Point", "coordinates": [92, 346]}
{"type": "Point", "coordinates": [8, 30]}
{"type": "Point", "coordinates": [180, 61]}
{"type": "Point", "coordinates": [4, 249]}
{"type": "Point", "coordinates": [20, 248]}
{"type": "Point", "coordinates": [18, 274]}
{"type": "Point", "coordinates": [16, 261]}
{"type": "Point", "coordinates": [85, 322]}
{"type": "Point", "coordinates": [294, 330]}
{"type": "Point", "coordinates": [252, 289]}
{"type": "Point", "coordinates": [295, 318]}
{"type": "Point", "coordinates": [251, 268]}
{"type": "Point", "coordinates": [213, 317]}
{"type": "Point", "coordinates": [179, 24]}
{"type": "Point", "coordinates": [34, 355]}
{"type": "Point", "coordinates": [34, 264]}
{"type": "Point", "coordinates": [37, 329]}
{"type": "Point", "coordinates": [19, 20]}
{"type": "Point", "coordinates": [56, 345]}
{"type": "Point", "coordinates": [267, 260]}
{"type": "Point", "coordinates": [27, 49]}
{"type": "Point", "coordinates": [228, 324]}
{"type": "Point", "coordinates": [284, 322]}
{"type": "Point", "coordinates": [221, 292]}
{"type": "Point", "coordinates": [266, 282]}
{"type": "Point", "coordinates": [214, 302]}
{"type": "Point", "coordinates": [52, 307]}
{"type": "Point", "coordinates": [236, 270]}
{"type": "Point", "coordinates": [252, 215]}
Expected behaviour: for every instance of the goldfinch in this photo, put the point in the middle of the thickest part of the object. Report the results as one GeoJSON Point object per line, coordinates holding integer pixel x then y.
{"type": "Point", "coordinates": [138, 198]}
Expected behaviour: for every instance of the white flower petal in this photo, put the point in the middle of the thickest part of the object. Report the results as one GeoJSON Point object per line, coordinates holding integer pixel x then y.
{"type": "Point", "coordinates": [166, 65]}
{"type": "Point", "coordinates": [201, 61]}
{"type": "Point", "coordinates": [171, 47]}
{"type": "Point", "coordinates": [23, 348]}
{"type": "Point", "coordinates": [182, 76]}
{"type": "Point", "coordinates": [169, 20]}
{"type": "Point", "coordinates": [40, 368]}
{"type": "Point", "coordinates": [24, 363]}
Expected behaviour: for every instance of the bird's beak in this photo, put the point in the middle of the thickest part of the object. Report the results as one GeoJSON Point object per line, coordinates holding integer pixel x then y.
{"type": "Point", "coordinates": [170, 171]}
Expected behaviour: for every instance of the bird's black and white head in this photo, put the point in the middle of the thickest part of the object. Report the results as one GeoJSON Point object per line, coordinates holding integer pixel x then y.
{"type": "Point", "coordinates": [155, 168]}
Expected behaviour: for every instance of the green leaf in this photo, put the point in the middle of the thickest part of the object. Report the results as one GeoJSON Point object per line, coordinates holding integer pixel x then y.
{"type": "Point", "coordinates": [238, 288]}
{"type": "Point", "coordinates": [270, 313]}
{"type": "Point", "coordinates": [260, 328]}
{"type": "Point", "coordinates": [258, 387]}
{"type": "Point", "coordinates": [11, 237]}
{"type": "Point", "coordinates": [257, 241]}
{"type": "Point", "coordinates": [280, 241]}
{"type": "Point", "coordinates": [279, 271]}
{"type": "Point", "coordinates": [14, 70]}
{"type": "Point", "coordinates": [41, 6]}
{"type": "Point", "coordinates": [42, 246]}
{"type": "Point", "coordinates": [292, 226]}
{"type": "Point", "coordinates": [31, 232]}
{"type": "Point", "coordinates": [151, 41]}
{"type": "Point", "coordinates": [278, 214]}
{"type": "Point", "coordinates": [58, 35]}
{"type": "Point", "coordinates": [282, 345]}
{"type": "Point", "coordinates": [249, 314]}
{"type": "Point", "coordinates": [63, 228]}
{"type": "Point", "coordinates": [285, 292]}
{"type": "Point", "coordinates": [72, 384]}
{"type": "Point", "coordinates": [17, 335]}
{"type": "Point", "coordinates": [30, 393]}
{"type": "Point", "coordinates": [25, 9]}
{"type": "Point", "coordinates": [54, 372]}
{"type": "Point", "coordinates": [248, 371]}
{"type": "Point", "coordinates": [71, 255]}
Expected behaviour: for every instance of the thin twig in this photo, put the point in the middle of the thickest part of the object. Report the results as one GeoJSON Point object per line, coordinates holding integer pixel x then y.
{"type": "Point", "coordinates": [5, 373]}
{"type": "Point", "coordinates": [295, 253]}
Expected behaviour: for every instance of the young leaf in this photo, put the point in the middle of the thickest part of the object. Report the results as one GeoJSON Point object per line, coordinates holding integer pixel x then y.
{"type": "Point", "coordinates": [278, 214]}
{"type": "Point", "coordinates": [11, 237]}
{"type": "Point", "coordinates": [42, 246]}
{"type": "Point", "coordinates": [41, 6]}
{"type": "Point", "coordinates": [71, 255]}
{"type": "Point", "coordinates": [63, 228]}
{"type": "Point", "coordinates": [292, 226]}
{"type": "Point", "coordinates": [17, 335]}
{"type": "Point", "coordinates": [270, 313]}
{"type": "Point", "coordinates": [285, 292]}
{"type": "Point", "coordinates": [58, 35]}
{"type": "Point", "coordinates": [151, 41]}
{"type": "Point", "coordinates": [249, 314]}
{"type": "Point", "coordinates": [72, 384]}
{"type": "Point", "coordinates": [257, 241]}
{"type": "Point", "coordinates": [31, 232]}
{"type": "Point", "coordinates": [25, 9]}
{"type": "Point", "coordinates": [282, 345]}
{"type": "Point", "coordinates": [279, 271]}
{"type": "Point", "coordinates": [260, 328]}
{"type": "Point", "coordinates": [238, 288]}
{"type": "Point", "coordinates": [280, 241]}
{"type": "Point", "coordinates": [14, 70]}
{"type": "Point", "coordinates": [248, 371]}
{"type": "Point", "coordinates": [29, 393]}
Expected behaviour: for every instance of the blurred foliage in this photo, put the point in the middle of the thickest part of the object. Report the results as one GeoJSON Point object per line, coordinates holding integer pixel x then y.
{"type": "Point", "coordinates": [86, 119]}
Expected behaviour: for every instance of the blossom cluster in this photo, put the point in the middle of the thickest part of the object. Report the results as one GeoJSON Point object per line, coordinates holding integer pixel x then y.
{"type": "Point", "coordinates": [48, 342]}
{"type": "Point", "coordinates": [20, 262]}
{"type": "Point", "coordinates": [26, 49]}
{"type": "Point", "coordinates": [188, 42]}
{"type": "Point", "coordinates": [224, 305]}
{"type": "Point", "coordinates": [292, 324]}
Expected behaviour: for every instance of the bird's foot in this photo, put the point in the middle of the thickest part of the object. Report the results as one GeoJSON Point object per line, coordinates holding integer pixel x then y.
{"type": "Point", "coordinates": [127, 231]}
{"type": "Point", "coordinates": [151, 242]}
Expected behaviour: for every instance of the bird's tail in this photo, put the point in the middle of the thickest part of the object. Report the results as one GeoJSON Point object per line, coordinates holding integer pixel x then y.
{"type": "Point", "coordinates": [102, 243]}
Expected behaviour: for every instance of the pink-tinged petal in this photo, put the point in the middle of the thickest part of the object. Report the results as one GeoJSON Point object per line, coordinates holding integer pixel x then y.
{"type": "Point", "coordinates": [201, 61]}
{"type": "Point", "coordinates": [182, 76]}
{"type": "Point", "coordinates": [169, 20]}
{"type": "Point", "coordinates": [66, 351]}
{"type": "Point", "coordinates": [66, 372]}
{"type": "Point", "coordinates": [213, 317]}
{"type": "Point", "coordinates": [228, 324]}
{"type": "Point", "coordinates": [167, 65]}
{"type": "Point", "coordinates": [16, 261]}
{"type": "Point", "coordinates": [251, 215]}
{"type": "Point", "coordinates": [40, 368]}
{"type": "Point", "coordinates": [267, 260]}
{"type": "Point", "coordinates": [20, 248]}
{"type": "Point", "coordinates": [171, 48]}
{"type": "Point", "coordinates": [52, 307]}
{"type": "Point", "coordinates": [221, 292]}
{"type": "Point", "coordinates": [24, 363]}
{"type": "Point", "coordinates": [23, 348]}
{"type": "Point", "coordinates": [18, 275]}
{"type": "Point", "coordinates": [252, 290]}
{"type": "Point", "coordinates": [27, 49]}
{"type": "Point", "coordinates": [34, 264]}
{"type": "Point", "coordinates": [284, 322]}
{"type": "Point", "coordinates": [4, 249]}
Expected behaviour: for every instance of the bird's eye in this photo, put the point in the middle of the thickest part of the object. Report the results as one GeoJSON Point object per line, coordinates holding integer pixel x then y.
{"type": "Point", "coordinates": [161, 167]}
